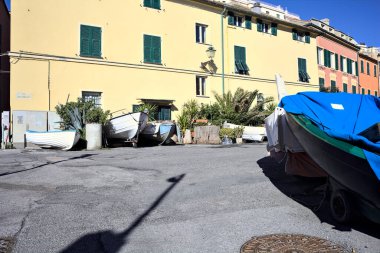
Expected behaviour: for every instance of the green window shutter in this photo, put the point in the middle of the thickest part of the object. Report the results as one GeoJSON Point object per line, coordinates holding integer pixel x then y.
{"type": "Point", "coordinates": [164, 113]}
{"type": "Point", "coordinates": [361, 66]}
{"type": "Point", "coordinates": [353, 89]}
{"type": "Point", "coordinates": [368, 70]}
{"type": "Point", "coordinates": [248, 22]}
{"type": "Point", "coordinates": [341, 62]}
{"type": "Point", "coordinates": [327, 58]}
{"type": "Point", "coordinates": [231, 18]}
{"type": "Point", "coordinates": [369, 92]}
{"type": "Point", "coordinates": [333, 86]}
{"type": "Point", "coordinates": [375, 70]}
{"type": "Point", "coordinates": [302, 73]}
{"type": "Point", "coordinates": [294, 34]}
{"type": "Point", "coordinates": [152, 4]}
{"type": "Point", "coordinates": [85, 40]}
{"type": "Point", "coordinates": [375, 93]}
{"type": "Point", "coordinates": [259, 25]}
{"type": "Point", "coordinates": [307, 37]}
{"type": "Point", "coordinates": [135, 108]}
{"type": "Point", "coordinates": [349, 66]}
{"type": "Point", "coordinates": [96, 42]}
{"type": "Point", "coordinates": [356, 69]}
{"type": "Point", "coordinates": [156, 49]}
{"type": "Point", "coordinates": [240, 60]}
{"type": "Point", "coordinates": [344, 87]}
{"type": "Point", "coordinates": [274, 29]}
{"type": "Point", "coordinates": [363, 91]}
{"type": "Point", "coordinates": [336, 61]}
{"type": "Point", "coordinates": [156, 4]}
{"type": "Point", "coordinates": [147, 48]}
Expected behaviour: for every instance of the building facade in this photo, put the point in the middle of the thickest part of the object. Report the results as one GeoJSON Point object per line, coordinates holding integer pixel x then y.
{"type": "Point", "coordinates": [337, 56]}
{"type": "Point", "coordinates": [156, 54]}
{"type": "Point", "coordinates": [369, 71]}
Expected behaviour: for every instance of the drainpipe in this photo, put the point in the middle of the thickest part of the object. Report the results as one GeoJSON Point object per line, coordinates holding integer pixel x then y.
{"type": "Point", "coordinates": [222, 29]}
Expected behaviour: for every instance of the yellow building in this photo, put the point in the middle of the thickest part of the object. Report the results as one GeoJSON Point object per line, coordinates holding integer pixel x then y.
{"type": "Point", "coordinates": [123, 53]}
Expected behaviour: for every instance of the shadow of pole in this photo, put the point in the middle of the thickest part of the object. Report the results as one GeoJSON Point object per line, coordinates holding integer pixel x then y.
{"type": "Point", "coordinates": [110, 242]}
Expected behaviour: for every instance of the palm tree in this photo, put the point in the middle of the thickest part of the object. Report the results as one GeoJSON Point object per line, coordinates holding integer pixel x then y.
{"type": "Point", "coordinates": [238, 108]}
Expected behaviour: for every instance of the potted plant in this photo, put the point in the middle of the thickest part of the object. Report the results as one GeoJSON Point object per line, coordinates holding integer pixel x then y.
{"type": "Point", "coordinates": [238, 133]}
{"type": "Point", "coordinates": [95, 119]}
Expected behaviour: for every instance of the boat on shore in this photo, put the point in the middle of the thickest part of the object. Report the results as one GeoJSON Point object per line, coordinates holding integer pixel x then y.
{"type": "Point", "coordinates": [250, 133]}
{"type": "Point", "coordinates": [330, 129]}
{"type": "Point", "coordinates": [126, 127]}
{"type": "Point", "coordinates": [57, 139]}
{"type": "Point", "coordinates": [159, 132]}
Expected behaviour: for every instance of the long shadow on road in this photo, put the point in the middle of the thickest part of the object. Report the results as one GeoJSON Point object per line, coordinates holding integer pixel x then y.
{"type": "Point", "coordinates": [311, 193]}
{"type": "Point", "coordinates": [111, 242]}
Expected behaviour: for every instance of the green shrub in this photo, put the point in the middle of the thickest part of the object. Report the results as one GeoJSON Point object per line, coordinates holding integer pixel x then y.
{"type": "Point", "coordinates": [229, 132]}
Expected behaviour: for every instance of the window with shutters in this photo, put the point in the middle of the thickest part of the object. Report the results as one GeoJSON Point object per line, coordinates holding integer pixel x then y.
{"type": "Point", "coordinates": [90, 41]}
{"type": "Point", "coordinates": [375, 70]}
{"type": "Point", "coordinates": [241, 66]}
{"type": "Point", "coordinates": [302, 71]}
{"type": "Point", "coordinates": [152, 49]}
{"type": "Point", "coordinates": [344, 87]}
{"type": "Point", "coordinates": [321, 84]}
{"type": "Point", "coordinates": [327, 58]}
{"type": "Point", "coordinates": [163, 113]}
{"type": "Point", "coordinates": [361, 67]}
{"type": "Point", "coordinates": [332, 60]}
{"type": "Point", "coordinates": [375, 93]}
{"type": "Point", "coordinates": [369, 92]}
{"type": "Point", "coordinates": [333, 86]}
{"type": "Point", "coordinates": [270, 28]}
{"type": "Point", "coordinates": [239, 21]}
{"type": "Point", "coordinates": [353, 89]}
{"type": "Point", "coordinates": [200, 33]}
{"type": "Point", "coordinates": [301, 36]}
{"type": "Point", "coordinates": [319, 55]}
{"type": "Point", "coordinates": [349, 66]}
{"type": "Point", "coordinates": [200, 85]}
{"type": "Point", "coordinates": [135, 108]}
{"type": "Point", "coordinates": [95, 97]}
{"type": "Point", "coordinates": [363, 91]}
{"type": "Point", "coordinates": [155, 4]}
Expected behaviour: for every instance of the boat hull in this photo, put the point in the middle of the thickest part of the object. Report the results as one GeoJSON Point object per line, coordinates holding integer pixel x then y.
{"type": "Point", "coordinates": [63, 140]}
{"type": "Point", "coordinates": [126, 127]}
{"type": "Point", "coordinates": [340, 160]}
{"type": "Point", "coordinates": [159, 132]}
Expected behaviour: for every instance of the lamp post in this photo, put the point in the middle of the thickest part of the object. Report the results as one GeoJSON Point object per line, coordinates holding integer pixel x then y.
{"type": "Point", "coordinates": [210, 52]}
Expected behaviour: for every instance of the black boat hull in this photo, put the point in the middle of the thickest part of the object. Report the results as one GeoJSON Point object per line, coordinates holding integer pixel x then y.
{"type": "Point", "coordinates": [351, 171]}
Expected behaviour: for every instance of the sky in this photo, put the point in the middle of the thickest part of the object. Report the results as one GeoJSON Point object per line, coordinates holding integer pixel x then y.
{"type": "Point", "coordinates": [357, 18]}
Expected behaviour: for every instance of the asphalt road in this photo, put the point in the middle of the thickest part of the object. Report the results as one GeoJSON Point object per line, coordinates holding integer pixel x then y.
{"type": "Point", "coordinates": [161, 199]}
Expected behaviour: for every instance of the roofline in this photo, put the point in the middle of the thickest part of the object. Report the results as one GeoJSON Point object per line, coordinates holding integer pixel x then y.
{"type": "Point", "coordinates": [254, 14]}
{"type": "Point", "coordinates": [367, 57]}
{"type": "Point", "coordinates": [5, 6]}
{"type": "Point", "coordinates": [333, 36]}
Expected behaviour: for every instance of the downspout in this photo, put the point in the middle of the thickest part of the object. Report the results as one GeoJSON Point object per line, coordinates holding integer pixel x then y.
{"type": "Point", "coordinates": [222, 29]}
{"type": "Point", "coordinates": [49, 82]}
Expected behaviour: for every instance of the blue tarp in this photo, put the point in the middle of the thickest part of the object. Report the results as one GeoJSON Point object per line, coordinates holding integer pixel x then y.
{"type": "Point", "coordinates": [342, 116]}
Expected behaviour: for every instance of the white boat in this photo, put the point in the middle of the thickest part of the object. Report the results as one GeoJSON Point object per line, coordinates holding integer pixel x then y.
{"type": "Point", "coordinates": [159, 132]}
{"type": "Point", "coordinates": [57, 139]}
{"type": "Point", "coordinates": [250, 133]}
{"type": "Point", "coordinates": [126, 127]}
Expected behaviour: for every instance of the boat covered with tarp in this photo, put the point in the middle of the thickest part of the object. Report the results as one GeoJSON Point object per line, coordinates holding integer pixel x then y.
{"type": "Point", "coordinates": [341, 134]}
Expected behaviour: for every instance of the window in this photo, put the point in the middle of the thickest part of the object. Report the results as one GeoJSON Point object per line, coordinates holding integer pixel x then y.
{"type": "Point", "coordinates": [336, 62]}
{"type": "Point", "coordinates": [241, 66]}
{"type": "Point", "coordinates": [363, 91]}
{"type": "Point", "coordinates": [163, 113]}
{"type": "Point", "coordinates": [349, 66]}
{"type": "Point", "coordinates": [200, 85]}
{"type": "Point", "coordinates": [302, 71]}
{"type": "Point", "coordinates": [341, 63]}
{"type": "Point", "coordinates": [135, 108]}
{"type": "Point", "coordinates": [266, 28]}
{"type": "Point", "coordinates": [361, 67]}
{"type": "Point", "coordinates": [155, 4]}
{"type": "Point", "coordinates": [353, 89]}
{"type": "Point", "coordinates": [319, 56]}
{"type": "Point", "coordinates": [93, 96]}
{"type": "Point", "coordinates": [375, 93]}
{"type": "Point", "coordinates": [321, 84]}
{"type": "Point", "coordinates": [200, 33]}
{"type": "Point", "coordinates": [152, 49]}
{"type": "Point", "coordinates": [248, 22]}
{"type": "Point", "coordinates": [234, 20]}
{"type": "Point", "coordinates": [374, 70]}
{"type": "Point", "coordinates": [368, 70]}
{"type": "Point", "coordinates": [301, 36]}
{"type": "Point", "coordinates": [332, 60]}
{"type": "Point", "coordinates": [356, 69]}
{"type": "Point", "coordinates": [333, 86]}
{"type": "Point", "coordinates": [369, 92]}
{"type": "Point", "coordinates": [344, 87]}
{"type": "Point", "coordinates": [90, 41]}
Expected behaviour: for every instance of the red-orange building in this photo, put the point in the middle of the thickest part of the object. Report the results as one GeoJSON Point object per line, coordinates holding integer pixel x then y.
{"type": "Point", "coordinates": [368, 74]}
{"type": "Point", "coordinates": [4, 59]}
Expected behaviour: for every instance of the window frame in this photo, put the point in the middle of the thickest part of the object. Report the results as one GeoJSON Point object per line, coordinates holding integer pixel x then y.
{"type": "Point", "coordinates": [95, 96]}
{"type": "Point", "coordinates": [200, 86]}
{"type": "Point", "coordinates": [157, 61]}
{"type": "Point", "coordinates": [91, 50]}
{"type": "Point", "coordinates": [151, 4]}
{"type": "Point", "coordinates": [241, 66]}
{"type": "Point", "coordinates": [200, 33]}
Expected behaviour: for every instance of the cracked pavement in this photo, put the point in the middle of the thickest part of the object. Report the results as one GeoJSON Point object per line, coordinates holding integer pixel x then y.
{"type": "Point", "coordinates": [161, 199]}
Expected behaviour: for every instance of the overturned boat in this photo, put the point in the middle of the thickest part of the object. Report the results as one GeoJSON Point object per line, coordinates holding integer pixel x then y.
{"type": "Point", "coordinates": [57, 139]}
{"type": "Point", "coordinates": [159, 132]}
{"type": "Point", "coordinates": [126, 127]}
{"type": "Point", "coordinates": [340, 133]}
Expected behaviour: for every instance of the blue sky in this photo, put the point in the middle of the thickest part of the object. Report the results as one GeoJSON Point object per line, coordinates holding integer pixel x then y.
{"type": "Point", "coordinates": [357, 18]}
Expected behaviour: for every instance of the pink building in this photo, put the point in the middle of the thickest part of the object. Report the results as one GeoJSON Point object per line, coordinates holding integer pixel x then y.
{"type": "Point", "coordinates": [337, 58]}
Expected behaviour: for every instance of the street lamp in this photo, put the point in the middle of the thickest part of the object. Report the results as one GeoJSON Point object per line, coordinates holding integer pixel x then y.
{"type": "Point", "coordinates": [210, 52]}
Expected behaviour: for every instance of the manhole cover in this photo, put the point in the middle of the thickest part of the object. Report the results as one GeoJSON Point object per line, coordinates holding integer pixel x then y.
{"type": "Point", "coordinates": [290, 243]}
{"type": "Point", "coordinates": [6, 245]}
